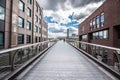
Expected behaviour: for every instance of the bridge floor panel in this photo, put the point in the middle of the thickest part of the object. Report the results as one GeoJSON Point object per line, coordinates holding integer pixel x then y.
{"type": "Point", "coordinates": [64, 63]}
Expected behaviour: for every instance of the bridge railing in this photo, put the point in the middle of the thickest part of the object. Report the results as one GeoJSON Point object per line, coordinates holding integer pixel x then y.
{"type": "Point", "coordinates": [109, 56]}
{"type": "Point", "coordinates": [11, 59]}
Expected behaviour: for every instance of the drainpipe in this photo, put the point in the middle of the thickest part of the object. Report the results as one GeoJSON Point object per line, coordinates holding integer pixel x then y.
{"type": "Point", "coordinates": [33, 22]}
{"type": "Point", "coordinates": [10, 34]}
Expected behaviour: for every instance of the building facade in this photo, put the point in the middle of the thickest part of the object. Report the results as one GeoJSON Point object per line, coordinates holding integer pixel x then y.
{"type": "Point", "coordinates": [20, 23]}
{"type": "Point", "coordinates": [102, 27]}
{"type": "Point", "coordinates": [44, 30]}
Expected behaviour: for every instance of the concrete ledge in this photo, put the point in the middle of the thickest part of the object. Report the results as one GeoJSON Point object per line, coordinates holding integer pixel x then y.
{"type": "Point", "coordinates": [106, 67]}
{"type": "Point", "coordinates": [15, 73]}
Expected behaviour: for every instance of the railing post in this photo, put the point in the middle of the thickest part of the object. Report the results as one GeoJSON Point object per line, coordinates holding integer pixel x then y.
{"type": "Point", "coordinates": [10, 58]}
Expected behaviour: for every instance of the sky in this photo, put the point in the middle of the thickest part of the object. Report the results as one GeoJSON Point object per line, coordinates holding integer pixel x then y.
{"type": "Point", "coordinates": [66, 14]}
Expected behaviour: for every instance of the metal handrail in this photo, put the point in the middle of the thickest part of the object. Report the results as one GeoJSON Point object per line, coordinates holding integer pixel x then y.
{"type": "Point", "coordinates": [92, 44]}
{"type": "Point", "coordinates": [21, 47]}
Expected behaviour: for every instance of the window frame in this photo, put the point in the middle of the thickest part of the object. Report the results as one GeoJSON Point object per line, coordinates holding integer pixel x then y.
{"type": "Point", "coordinates": [3, 17]}
{"type": "Point", "coordinates": [23, 6]}
{"type": "Point", "coordinates": [29, 1]}
{"type": "Point", "coordinates": [102, 19]}
{"type": "Point", "coordinates": [28, 37]}
{"type": "Point", "coordinates": [19, 25]}
{"type": "Point", "coordinates": [28, 25]}
{"type": "Point", "coordinates": [22, 42]}
{"type": "Point", "coordinates": [2, 38]}
{"type": "Point", "coordinates": [29, 12]}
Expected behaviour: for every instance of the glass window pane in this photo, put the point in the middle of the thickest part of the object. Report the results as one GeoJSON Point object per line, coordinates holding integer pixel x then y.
{"type": "Point", "coordinates": [101, 34]}
{"type": "Point", "coordinates": [97, 21]}
{"type": "Point", "coordinates": [20, 22]}
{"type": "Point", "coordinates": [105, 34]}
{"type": "Point", "coordinates": [28, 25]}
{"type": "Point", "coordinates": [39, 30]}
{"type": "Point", "coordinates": [36, 39]}
{"type": "Point", "coordinates": [29, 1]}
{"type": "Point", "coordinates": [36, 7]}
{"type": "Point", "coordinates": [21, 5]}
{"type": "Point", "coordinates": [94, 23]}
{"type": "Point", "coordinates": [1, 38]}
{"type": "Point", "coordinates": [20, 38]}
{"type": "Point", "coordinates": [2, 13]}
{"type": "Point", "coordinates": [39, 39]}
{"type": "Point", "coordinates": [28, 38]}
{"type": "Point", "coordinates": [102, 19]}
{"type": "Point", "coordinates": [97, 35]}
{"type": "Point", "coordinates": [29, 12]}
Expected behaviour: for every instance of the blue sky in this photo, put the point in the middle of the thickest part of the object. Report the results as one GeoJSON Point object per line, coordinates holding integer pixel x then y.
{"type": "Point", "coordinates": [66, 14]}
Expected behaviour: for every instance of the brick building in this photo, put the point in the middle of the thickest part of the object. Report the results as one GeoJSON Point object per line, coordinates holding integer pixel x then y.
{"type": "Point", "coordinates": [102, 27]}
{"type": "Point", "coordinates": [20, 22]}
{"type": "Point", "coordinates": [44, 30]}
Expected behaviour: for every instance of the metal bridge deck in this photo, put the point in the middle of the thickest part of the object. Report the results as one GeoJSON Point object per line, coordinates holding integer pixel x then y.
{"type": "Point", "coordinates": [63, 62]}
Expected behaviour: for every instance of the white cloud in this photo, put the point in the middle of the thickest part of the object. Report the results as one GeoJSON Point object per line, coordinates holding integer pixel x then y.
{"type": "Point", "coordinates": [61, 30]}
{"type": "Point", "coordinates": [61, 9]}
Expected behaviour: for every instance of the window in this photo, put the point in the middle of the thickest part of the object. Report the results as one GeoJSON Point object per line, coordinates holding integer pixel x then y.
{"type": "Point", "coordinates": [1, 38]}
{"type": "Point", "coordinates": [94, 23]}
{"type": "Point", "coordinates": [91, 25]}
{"type": "Point", "coordinates": [28, 25]}
{"type": "Point", "coordinates": [102, 19]}
{"type": "Point", "coordinates": [84, 37]}
{"type": "Point", "coordinates": [2, 13]}
{"type": "Point", "coordinates": [39, 12]}
{"type": "Point", "coordinates": [29, 12]}
{"type": "Point", "coordinates": [105, 34]}
{"type": "Point", "coordinates": [39, 30]}
{"type": "Point", "coordinates": [20, 38]}
{"type": "Point", "coordinates": [100, 35]}
{"type": "Point", "coordinates": [39, 21]}
{"type": "Point", "coordinates": [36, 7]}
{"type": "Point", "coordinates": [94, 35]}
{"type": "Point", "coordinates": [36, 17]}
{"type": "Point", "coordinates": [21, 5]}
{"type": "Point", "coordinates": [20, 22]}
{"type": "Point", "coordinates": [97, 35]}
{"type": "Point", "coordinates": [36, 39]}
{"type": "Point", "coordinates": [29, 1]}
{"type": "Point", "coordinates": [39, 39]}
{"type": "Point", "coordinates": [36, 29]}
{"type": "Point", "coordinates": [97, 21]}
{"type": "Point", "coordinates": [82, 29]}
{"type": "Point", "coordinates": [28, 39]}
{"type": "Point", "coordinates": [118, 32]}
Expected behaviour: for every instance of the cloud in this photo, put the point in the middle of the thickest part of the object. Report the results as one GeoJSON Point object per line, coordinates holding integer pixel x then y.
{"type": "Point", "coordinates": [80, 16]}
{"type": "Point", "coordinates": [50, 19]}
{"type": "Point", "coordinates": [56, 30]}
{"type": "Point", "coordinates": [64, 14]}
{"type": "Point", "coordinates": [82, 3]}
{"type": "Point", "coordinates": [73, 30]}
{"type": "Point", "coordinates": [86, 11]}
{"type": "Point", "coordinates": [52, 4]}
{"type": "Point", "coordinates": [56, 5]}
